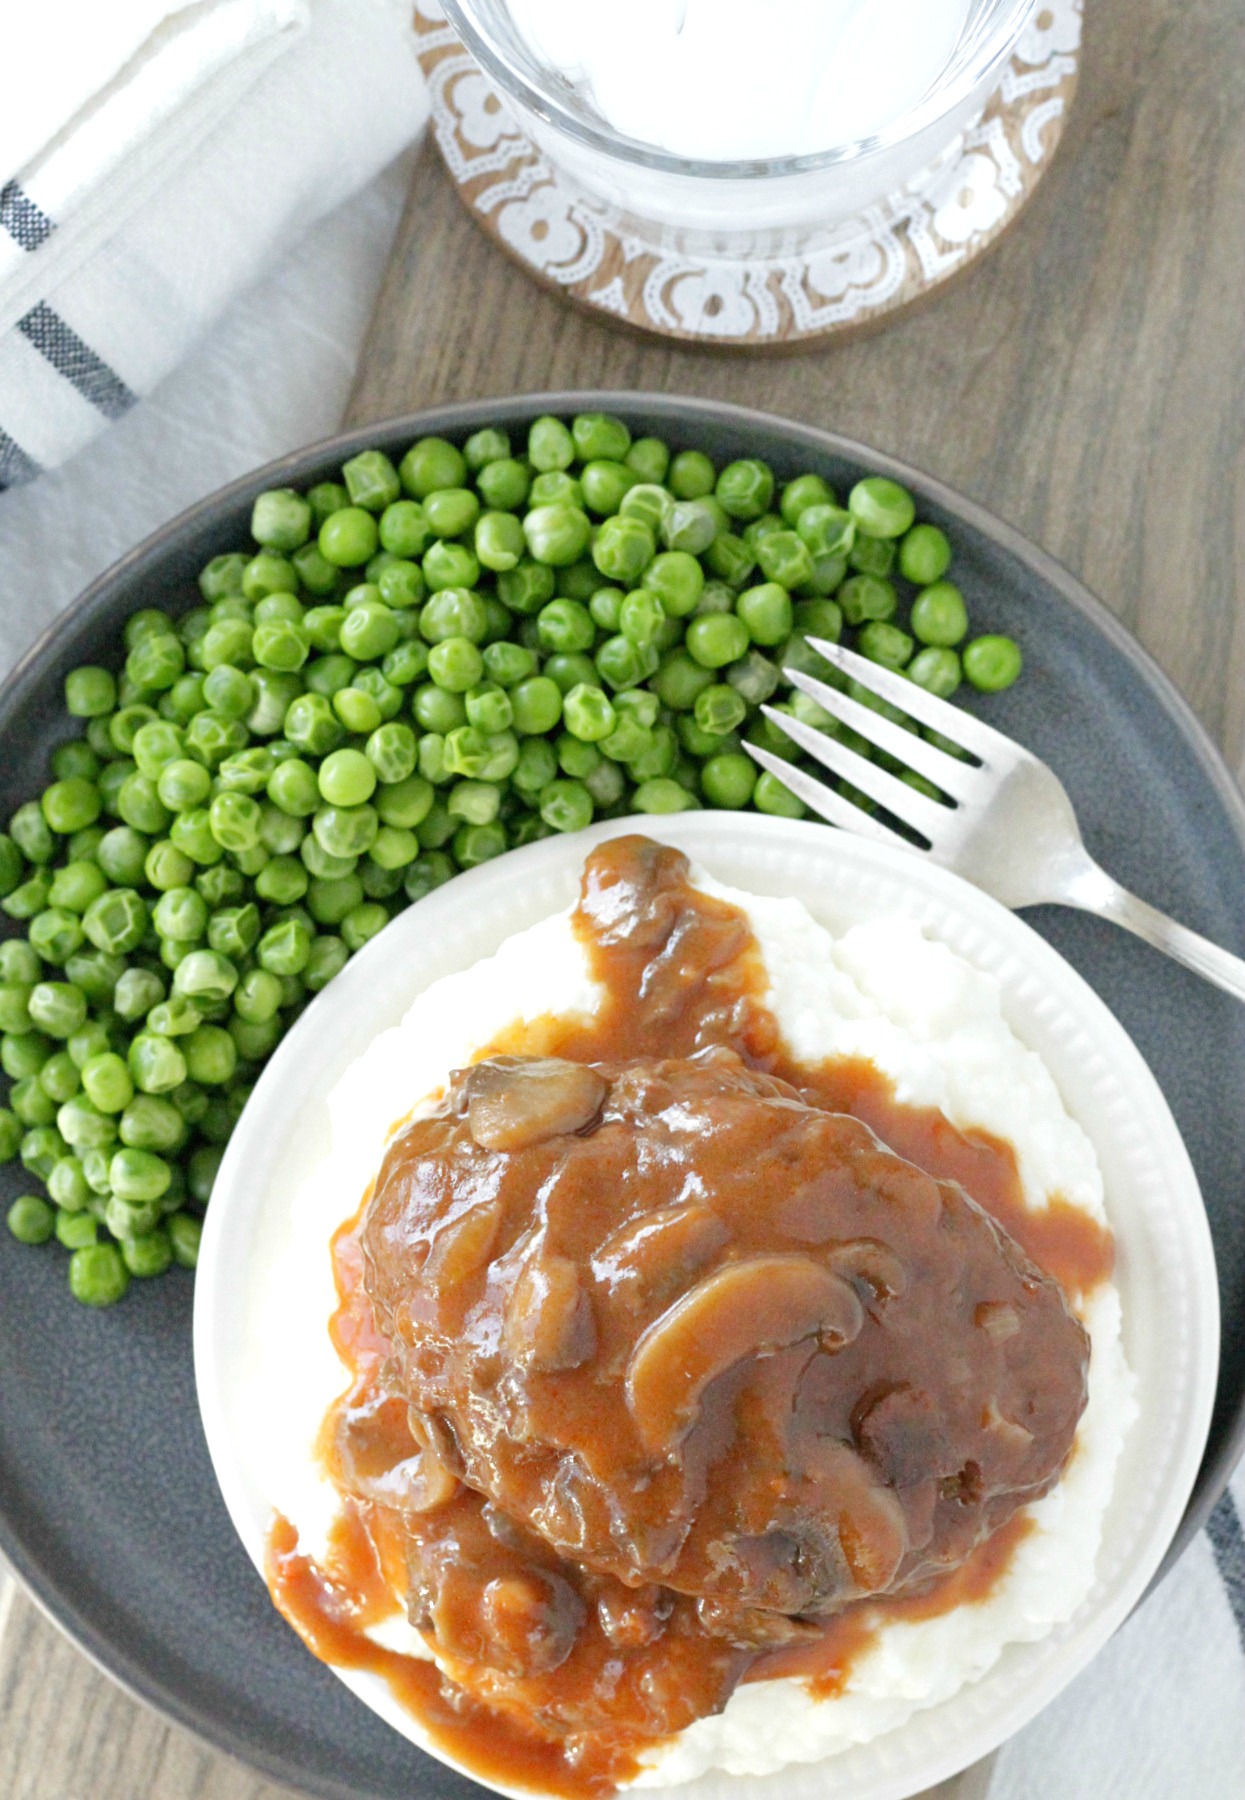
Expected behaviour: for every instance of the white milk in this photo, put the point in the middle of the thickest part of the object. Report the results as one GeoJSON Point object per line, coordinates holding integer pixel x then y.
{"type": "Point", "coordinates": [717, 80]}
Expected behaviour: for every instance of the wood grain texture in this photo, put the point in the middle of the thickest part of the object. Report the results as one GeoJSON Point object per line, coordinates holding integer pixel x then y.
{"type": "Point", "coordinates": [1086, 381]}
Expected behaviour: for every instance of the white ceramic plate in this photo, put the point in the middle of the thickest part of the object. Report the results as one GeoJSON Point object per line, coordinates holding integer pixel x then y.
{"type": "Point", "coordinates": [1165, 1268]}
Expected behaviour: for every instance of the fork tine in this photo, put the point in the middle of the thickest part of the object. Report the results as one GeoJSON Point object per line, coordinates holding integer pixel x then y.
{"type": "Point", "coordinates": [951, 721]}
{"type": "Point", "coordinates": [954, 777]}
{"type": "Point", "coordinates": [907, 805]}
{"type": "Point", "coordinates": [824, 801]}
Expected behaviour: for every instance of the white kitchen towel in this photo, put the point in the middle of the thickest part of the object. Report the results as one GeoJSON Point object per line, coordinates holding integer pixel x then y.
{"type": "Point", "coordinates": [154, 173]}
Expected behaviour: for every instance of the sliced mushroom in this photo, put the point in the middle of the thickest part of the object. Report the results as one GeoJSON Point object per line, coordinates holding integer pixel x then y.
{"type": "Point", "coordinates": [653, 1256]}
{"type": "Point", "coordinates": [515, 1101]}
{"type": "Point", "coordinates": [530, 1620]}
{"type": "Point", "coordinates": [549, 1324]}
{"type": "Point", "coordinates": [463, 1245]}
{"type": "Point", "coordinates": [743, 1309]}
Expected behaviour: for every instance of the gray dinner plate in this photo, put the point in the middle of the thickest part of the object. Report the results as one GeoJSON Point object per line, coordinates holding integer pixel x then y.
{"type": "Point", "coordinates": [108, 1506]}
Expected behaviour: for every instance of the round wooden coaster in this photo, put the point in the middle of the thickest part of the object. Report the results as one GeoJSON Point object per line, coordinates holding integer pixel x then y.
{"type": "Point", "coordinates": [848, 277]}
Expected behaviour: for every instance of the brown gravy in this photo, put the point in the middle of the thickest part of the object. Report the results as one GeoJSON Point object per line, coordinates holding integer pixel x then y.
{"type": "Point", "coordinates": [680, 974]}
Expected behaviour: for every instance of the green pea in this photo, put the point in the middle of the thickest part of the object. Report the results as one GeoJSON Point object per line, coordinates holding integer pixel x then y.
{"type": "Point", "coordinates": [59, 1077]}
{"type": "Point", "coordinates": [84, 1124]}
{"type": "Point", "coordinates": [90, 692]}
{"type": "Point", "coordinates": [770, 796]}
{"type": "Point", "coordinates": [360, 926]}
{"type": "Point", "coordinates": [873, 556]}
{"type": "Point", "coordinates": [719, 709]}
{"type": "Point", "coordinates": [679, 679]}
{"type": "Point", "coordinates": [31, 1220]}
{"type": "Point", "coordinates": [691, 527]}
{"type": "Point", "coordinates": [885, 644]}
{"type": "Point", "coordinates": [75, 759]}
{"type": "Point", "coordinates": [267, 574]}
{"type": "Point", "coordinates": [205, 975]}
{"type": "Point", "coordinates": [556, 534]}
{"type": "Point", "coordinates": [156, 1064]}
{"type": "Point", "coordinates": [92, 1038]}
{"type": "Point", "coordinates": [991, 663]}
{"type": "Point", "coordinates": [566, 805]}
{"type": "Point", "coordinates": [280, 519]}
{"type": "Point", "coordinates": [449, 565]}
{"type": "Point", "coordinates": [587, 713]}
{"type": "Point", "coordinates": [191, 833]}
{"type": "Point", "coordinates": [55, 933]}
{"type": "Point", "coordinates": [30, 898]}
{"type": "Point", "coordinates": [14, 1007]}
{"type": "Point", "coordinates": [234, 931]}
{"type": "Point", "coordinates": [348, 538]}
{"type": "Point", "coordinates": [663, 795]}
{"type": "Point", "coordinates": [716, 640]}
{"type": "Point", "coordinates": [605, 482]}
{"type": "Point", "coordinates": [476, 802]}
{"type": "Point", "coordinates": [730, 558]}
{"type": "Point", "coordinates": [691, 475]}
{"type": "Point", "coordinates": [827, 530]}
{"type": "Point", "coordinates": [136, 992]}
{"type": "Point", "coordinates": [68, 1185]}
{"type": "Point", "coordinates": [218, 884]}
{"type": "Point", "coordinates": [181, 914]}
{"type": "Point", "coordinates": [155, 662]}
{"type": "Point", "coordinates": [148, 1255]}
{"type": "Point", "coordinates": [939, 615]}
{"type": "Point", "coordinates": [504, 484]}
{"type": "Point", "coordinates": [371, 480]}
{"type": "Point", "coordinates": [623, 549]}
{"type": "Point", "coordinates": [864, 597]}
{"type": "Point", "coordinates": [285, 948]}
{"type": "Point", "coordinates": [766, 612]}
{"type": "Point", "coordinates": [211, 1055]}
{"type": "Point", "coordinates": [106, 1080]}
{"type": "Point", "coordinates": [729, 780]}
{"type": "Point", "coordinates": [881, 508]}
{"type": "Point", "coordinates": [185, 1232]}
{"type": "Point", "coordinates": [800, 494]}
{"type": "Point", "coordinates": [937, 670]}
{"type": "Point", "coordinates": [744, 488]}
{"type": "Point", "coordinates": [549, 444]}
{"type": "Point", "coordinates": [57, 1007]}
{"type": "Point", "coordinates": [455, 664]}
{"type": "Point", "coordinates": [622, 663]}
{"type": "Point", "coordinates": [175, 1017]}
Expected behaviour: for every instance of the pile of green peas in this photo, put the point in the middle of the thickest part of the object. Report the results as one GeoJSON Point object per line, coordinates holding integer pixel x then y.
{"type": "Point", "coordinates": [410, 671]}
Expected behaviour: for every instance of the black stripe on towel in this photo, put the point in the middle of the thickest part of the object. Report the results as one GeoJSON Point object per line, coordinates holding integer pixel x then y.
{"type": "Point", "coordinates": [76, 361]}
{"type": "Point", "coordinates": [27, 224]}
{"type": "Point", "coordinates": [15, 465]}
{"type": "Point", "coordinates": [1227, 1540]}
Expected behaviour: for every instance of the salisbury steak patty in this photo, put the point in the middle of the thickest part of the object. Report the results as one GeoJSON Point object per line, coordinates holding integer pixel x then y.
{"type": "Point", "coordinates": [690, 1329]}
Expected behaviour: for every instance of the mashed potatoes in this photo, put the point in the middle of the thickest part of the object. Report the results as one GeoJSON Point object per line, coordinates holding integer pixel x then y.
{"type": "Point", "coordinates": [932, 1024]}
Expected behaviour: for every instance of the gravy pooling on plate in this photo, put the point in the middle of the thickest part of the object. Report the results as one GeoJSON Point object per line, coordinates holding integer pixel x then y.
{"type": "Point", "coordinates": [668, 1372]}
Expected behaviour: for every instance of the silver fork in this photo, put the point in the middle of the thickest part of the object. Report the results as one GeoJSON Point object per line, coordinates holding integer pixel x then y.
{"type": "Point", "coordinates": [1008, 824]}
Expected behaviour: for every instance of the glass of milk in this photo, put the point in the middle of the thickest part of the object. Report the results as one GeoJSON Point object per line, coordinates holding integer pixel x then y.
{"type": "Point", "coordinates": [737, 126]}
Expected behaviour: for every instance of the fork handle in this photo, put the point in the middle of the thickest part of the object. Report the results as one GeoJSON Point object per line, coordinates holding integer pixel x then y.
{"type": "Point", "coordinates": [1093, 890]}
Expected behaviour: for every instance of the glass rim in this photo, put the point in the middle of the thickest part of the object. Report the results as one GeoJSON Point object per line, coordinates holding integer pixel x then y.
{"type": "Point", "coordinates": [512, 79]}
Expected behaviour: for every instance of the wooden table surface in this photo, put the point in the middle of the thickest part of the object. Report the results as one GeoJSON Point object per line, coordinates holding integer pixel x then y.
{"type": "Point", "coordinates": [1086, 382]}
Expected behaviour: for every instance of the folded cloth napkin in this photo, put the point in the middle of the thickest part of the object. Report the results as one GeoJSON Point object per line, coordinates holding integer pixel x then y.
{"type": "Point", "coordinates": [155, 156]}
